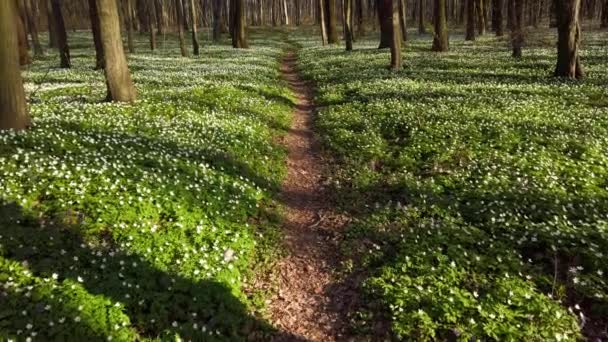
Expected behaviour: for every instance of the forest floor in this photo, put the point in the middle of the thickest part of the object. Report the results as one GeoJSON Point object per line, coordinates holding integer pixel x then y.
{"type": "Point", "coordinates": [305, 301]}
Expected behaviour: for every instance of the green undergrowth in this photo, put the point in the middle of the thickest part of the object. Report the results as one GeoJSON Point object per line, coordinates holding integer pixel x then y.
{"type": "Point", "coordinates": [478, 184]}
{"type": "Point", "coordinates": [144, 221]}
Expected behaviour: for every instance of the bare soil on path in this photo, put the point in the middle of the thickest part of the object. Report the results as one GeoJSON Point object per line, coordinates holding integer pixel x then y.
{"type": "Point", "coordinates": [307, 304]}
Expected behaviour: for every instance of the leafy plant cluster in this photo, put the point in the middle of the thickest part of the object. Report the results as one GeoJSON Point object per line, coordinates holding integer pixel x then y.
{"type": "Point", "coordinates": [479, 186]}
{"type": "Point", "coordinates": [124, 222]}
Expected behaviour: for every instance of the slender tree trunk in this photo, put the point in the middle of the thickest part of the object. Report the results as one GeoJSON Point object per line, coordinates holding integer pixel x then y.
{"type": "Point", "coordinates": [323, 21]}
{"type": "Point", "coordinates": [195, 45]}
{"type": "Point", "coordinates": [481, 24]}
{"type": "Point", "coordinates": [151, 13]}
{"type": "Point", "coordinates": [498, 16]}
{"type": "Point", "coordinates": [159, 8]}
{"type": "Point", "coordinates": [51, 26]}
{"type": "Point", "coordinates": [217, 20]}
{"type": "Point", "coordinates": [62, 37]}
{"type": "Point", "coordinates": [517, 34]}
{"type": "Point", "coordinates": [33, 25]}
{"type": "Point", "coordinates": [348, 29]}
{"type": "Point", "coordinates": [239, 38]}
{"type": "Point", "coordinates": [99, 58]}
{"type": "Point", "coordinates": [331, 17]}
{"type": "Point", "coordinates": [569, 37]}
{"type": "Point", "coordinates": [421, 15]}
{"type": "Point", "coordinates": [285, 13]}
{"type": "Point", "coordinates": [403, 18]}
{"type": "Point", "coordinates": [470, 20]}
{"type": "Point", "coordinates": [13, 111]}
{"type": "Point", "coordinates": [360, 19]}
{"type": "Point", "coordinates": [441, 39]}
{"type": "Point", "coordinates": [395, 36]}
{"type": "Point", "coordinates": [385, 17]}
{"type": "Point", "coordinates": [24, 55]}
{"type": "Point", "coordinates": [604, 23]}
{"type": "Point", "coordinates": [118, 79]}
{"type": "Point", "coordinates": [179, 9]}
{"type": "Point", "coordinates": [129, 24]}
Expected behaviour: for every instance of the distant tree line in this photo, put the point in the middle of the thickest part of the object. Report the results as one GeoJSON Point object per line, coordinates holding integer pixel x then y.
{"type": "Point", "coordinates": [23, 20]}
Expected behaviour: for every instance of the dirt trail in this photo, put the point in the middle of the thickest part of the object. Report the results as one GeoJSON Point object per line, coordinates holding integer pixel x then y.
{"type": "Point", "coordinates": [305, 305]}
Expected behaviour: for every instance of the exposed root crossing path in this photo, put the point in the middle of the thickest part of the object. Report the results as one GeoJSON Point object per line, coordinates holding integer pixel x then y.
{"type": "Point", "coordinates": [306, 305]}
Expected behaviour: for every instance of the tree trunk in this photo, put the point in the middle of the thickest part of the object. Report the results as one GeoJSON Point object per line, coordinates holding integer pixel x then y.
{"type": "Point", "coordinates": [129, 24]}
{"type": "Point", "coordinates": [517, 34]}
{"type": "Point", "coordinates": [217, 20]}
{"type": "Point", "coordinates": [421, 14]}
{"type": "Point", "coordinates": [13, 112]}
{"type": "Point", "coordinates": [441, 39]}
{"type": "Point", "coordinates": [498, 17]}
{"type": "Point", "coordinates": [239, 38]}
{"type": "Point", "coordinates": [569, 37]}
{"type": "Point", "coordinates": [179, 9]}
{"type": "Point", "coordinates": [99, 58]}
{"type": "Point", "coordinates": [285, 13]}
{"type": "Point", "coordinates": [348, 29]}
{"type": "Point", "coordinates": [51, 26]}
{"type": "Point", "coordinates": [395, 36]}
{"type": "Point", "coordinates": [118, 79]}
{"type": "Point", "coordinates": [33, 25]}
{"type": "Point", "coordinates": [470, 20]}
{"type": "Point", "coordinates": [385, 17]}
{"type": "Point", "coordinates": [151, 13]}
{"type": "Point", "coordinates": [62, 37]}
{"type": "Point", "coordinates": [481, 23]}
{"type": "Point", "coordinates": [195, 45]}
{"type": "Point", "coordinates": [360, 19]}
{"type": "Point", "coordinates": [160, 15]}
{"type": "Point", "coordinates": [331, 17]}
{"type": "Point", "coordinates": [604, 23]}
{"type": "Point", "coordinates": [403, 18]}
{"type": "Point", "coordinates": [24, 55]}
{"type": "Point", "coordinates": [323, 21]}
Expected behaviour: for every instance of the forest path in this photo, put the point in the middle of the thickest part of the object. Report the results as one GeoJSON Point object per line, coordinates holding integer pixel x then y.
{"type": "Point", "coordinates": [307, 303]}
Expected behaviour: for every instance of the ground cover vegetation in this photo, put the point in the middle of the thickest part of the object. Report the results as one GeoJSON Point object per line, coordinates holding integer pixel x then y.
{"type": "Point", "coordinates": [133, 221]}
{"type": "Point", "coordinates": [478, 184]}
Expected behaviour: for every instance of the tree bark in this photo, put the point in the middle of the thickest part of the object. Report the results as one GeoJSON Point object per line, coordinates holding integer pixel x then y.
{"type": "Point", "coordinates": [441, 38]}
{"type": "Point", "coordinates": [129, 24]}
{"type": "Point", "coordinates": [348, 29]}
{"type": "Point", "coordinates": [13, 111]}
{"type": "Point", "coordinates": [52, 27]}
{"type": "Point", "coordinates": [517, 34]}
{"type": "Point", "coordinates": [239, 37]}
{"type": "Point", "coordinates": [395, 36]}
{"type": "Point", "coordinates": [323, 21]}
{"type": "Point", "coordinates": [497, 17]}
{"type": "Point", "coordinates": [33, 25]}
{"type": "Point", "coordinates": [217, 20]}
{"type": "Point", "coordinates": [118, 78]}
{"type": "Point", "coordinates": [151, 13]}
{"type": "Point", "coordinates": [62, 37]}
{"type": "Point", "coordinates": [99, 58]}
{"type": "Point", "coordinates": [421, 15]}
{"type": "Point", "coordinates": [481, 23]}
{"type": "Point", "coordinates": [331, 17]}
{"type": "Point", "coordinates": [160, 15]}
{"type": "Point", "coordinates": [195, 45]}
{"type": "Point", "coordinates": [604, 23]}
{"type": "Point", "coordinates": [470, 35]}
{"type": "Point", "coordinates": [569, 37]}
{"type": "Point", "coordinates": [385, 17]}
{"type": "Point", "coordinates": [403, 18]}
{"type": "Point", "coordinates": [24, 55]}
{"type": "Point", "coordinates": [179, 9]}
